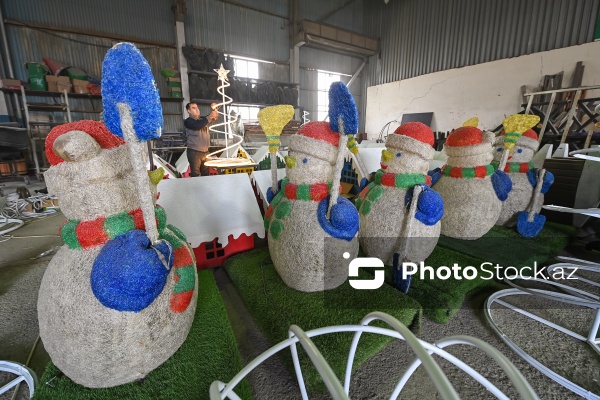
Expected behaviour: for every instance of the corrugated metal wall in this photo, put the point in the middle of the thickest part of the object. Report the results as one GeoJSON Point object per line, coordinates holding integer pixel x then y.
{"type": "Point", "coordinates": [423, 36]}
{"type": "Point", "coordinates": [242, 31]}
{"type": "Point", "coordinates": [150, 20]}
{"type": "Point", "coordinates": [217, 24]}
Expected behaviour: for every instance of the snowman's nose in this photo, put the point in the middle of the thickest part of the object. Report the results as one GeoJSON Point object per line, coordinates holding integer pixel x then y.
{"type": "Point", "coordinates": [387, 155]}
{"type": "Point", "coordinates": [290, 162]}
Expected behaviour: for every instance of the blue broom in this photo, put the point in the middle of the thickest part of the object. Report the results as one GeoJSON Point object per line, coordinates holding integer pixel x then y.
{"type": "Point", "coordinates": [530, 224]}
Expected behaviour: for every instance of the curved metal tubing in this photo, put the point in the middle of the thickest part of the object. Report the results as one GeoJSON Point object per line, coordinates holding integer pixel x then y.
{"type": "Point", "coordinates": [297, 368]}
{"type": "Point", "coordinates": [515, 376]}
{"type": "Point", "coordinates": [331, 380]}
{"type": "Point", "coordinates": [433, 369]}
{"type": "Point", "coordinates": [23, 374]}
{"type": "Point", "coordinates": [535, 363]}
{"type": "Point", "coordinates": [556, 296]}
{"type": "Point", "coordinates": [219, 390]}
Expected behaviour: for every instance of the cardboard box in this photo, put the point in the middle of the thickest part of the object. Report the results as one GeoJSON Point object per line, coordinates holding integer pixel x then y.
{"type": "Point", "coordinates": [41, 206]}
{"type": "Point", "coordinates": [80, 86]}
{"type": "Point", "coordinates": [175, 92]}
{"type": "Point", "coordinates": [10, 83]}
{"type": "Point", "coordinates": [58, 83]}
{"type": "Point", "coordinates": [174, 82]}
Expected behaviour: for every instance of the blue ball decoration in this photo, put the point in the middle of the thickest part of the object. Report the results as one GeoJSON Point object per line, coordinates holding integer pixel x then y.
{"type": "Point", "coordinates": [127, 78]}
{"type": "Point", "coordinates": [128, 273]}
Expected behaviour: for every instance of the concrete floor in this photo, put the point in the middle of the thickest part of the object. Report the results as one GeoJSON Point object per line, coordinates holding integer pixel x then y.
{"type": "Point", "coordinates": [21, 271]}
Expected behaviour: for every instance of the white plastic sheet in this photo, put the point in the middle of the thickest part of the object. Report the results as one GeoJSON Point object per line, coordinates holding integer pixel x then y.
{"type": "Point", "coordinates": [209, 207]}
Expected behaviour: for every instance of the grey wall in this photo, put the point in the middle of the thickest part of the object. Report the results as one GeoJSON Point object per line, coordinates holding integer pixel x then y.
{"type": "Point", "coordinates": [260, 30]}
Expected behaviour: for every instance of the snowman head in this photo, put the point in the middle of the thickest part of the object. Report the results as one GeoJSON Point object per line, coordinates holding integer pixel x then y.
{"type": "Point", "coordinates": [408, 149]}
{"type": "Point", "coordinates": [468, 146]}
{"type": "Point", "coordinates": [90, 171]}
{"type": "Point", "coordinates": [312, 153]}
{"type": "Point", "coordinates": [522, 152]}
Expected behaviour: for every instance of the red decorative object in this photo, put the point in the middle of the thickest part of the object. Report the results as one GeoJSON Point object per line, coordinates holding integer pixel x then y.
{"type": "Point", "coordinates": [95, 129]}
{"type": "Point", "coordinates": [213, 254]}
{"type": "Point", "coordinates": [418, 131]}
{"type": "Point", "coordinates": [465, 136]}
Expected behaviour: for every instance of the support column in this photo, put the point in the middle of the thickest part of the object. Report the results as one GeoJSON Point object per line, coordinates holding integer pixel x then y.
{"type": "Point", "coordinates": [182, 65]}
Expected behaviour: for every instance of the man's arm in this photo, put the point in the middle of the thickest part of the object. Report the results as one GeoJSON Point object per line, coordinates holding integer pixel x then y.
{"type": "Point", "coordinates": [195, 124]}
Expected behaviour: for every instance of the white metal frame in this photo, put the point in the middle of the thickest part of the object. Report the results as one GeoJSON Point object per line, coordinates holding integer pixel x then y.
{"type": "Point", "coordinates": [23, 373]}
{"type": "Point", "coordinates": [575, 296]}
{"type": "Point", "coordinates": [422, 350]}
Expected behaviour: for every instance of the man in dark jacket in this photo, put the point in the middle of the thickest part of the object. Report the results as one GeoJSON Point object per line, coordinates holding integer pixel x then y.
{"type": "Point", "coordinates": [198, 138]}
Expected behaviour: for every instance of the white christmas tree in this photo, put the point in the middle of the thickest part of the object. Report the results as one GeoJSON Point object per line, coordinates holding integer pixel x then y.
{"type": "Point", "coordinates": [224, 128]}
{"type": "Point", "coordinates": [305, 119]}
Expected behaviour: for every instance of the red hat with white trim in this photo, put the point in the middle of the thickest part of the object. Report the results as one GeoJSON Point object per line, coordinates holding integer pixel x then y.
{"type": "Point", "coordinates": [414, 137]}
{"type": "Point", "coordinates": [317, 139]}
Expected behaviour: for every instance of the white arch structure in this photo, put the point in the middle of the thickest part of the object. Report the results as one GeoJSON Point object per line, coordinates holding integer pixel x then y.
{"type": "Point", "coordinates": [423, 351]}
{"type": "Point", "coordinates": [572, 296]}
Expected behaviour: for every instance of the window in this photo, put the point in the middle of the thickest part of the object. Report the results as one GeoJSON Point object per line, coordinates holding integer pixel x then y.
{"type": "Point", "coordinates": [324, 81]}
{"type": "Point", "coordinates": [245, 68]}
{"type": "Point", "coordinates": [246, 113]}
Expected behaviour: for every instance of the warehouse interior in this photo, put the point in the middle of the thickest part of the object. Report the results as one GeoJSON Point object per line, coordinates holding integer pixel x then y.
{"type": "Point", "coordinates": [463, 241]}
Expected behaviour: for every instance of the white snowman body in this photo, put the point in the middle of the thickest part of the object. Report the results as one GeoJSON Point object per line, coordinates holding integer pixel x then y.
{"type": "Point", "coordinates": [471, 205]}
{"type": "Point", "coordinates": [92, 344]}
{"type": "Point", "coordinates": [383, 222]}
{"type": "Point", "coordinates": [305, 256]}
{"type": "Point", "coordinates": [519, 163]}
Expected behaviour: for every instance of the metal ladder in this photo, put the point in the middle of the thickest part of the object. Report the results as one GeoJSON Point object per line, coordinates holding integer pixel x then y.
{"type": "Point", "coordinates": [32, 126]}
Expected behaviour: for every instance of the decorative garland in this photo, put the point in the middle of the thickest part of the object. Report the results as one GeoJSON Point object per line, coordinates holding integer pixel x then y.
{"type": "Point", "coordinates": [480, 171]}
{"type": "Point", "coordinates": [282, 209]}
{"type": "Point", "coordinates": [86, 234]}
{"type": "Point", "coordinates": [374, 190]}
{"type": "Point", "coordinates": [306, 192]}
{"type": "Point", "coordinates": [401, 180]}
{"type": "Point", "coordinates": [515, 167]}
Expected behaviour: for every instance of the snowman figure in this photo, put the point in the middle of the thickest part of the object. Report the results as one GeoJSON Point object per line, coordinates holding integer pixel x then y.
{"type": "Point", "coordinates": [384, 204]}
{"type": "Point", "coordinates": [111, 307]}
{"type": "Point", "coordinates": [310, 250]}
{"type": "Point", "coordinates": [473, 191]}
{"type": "Point", "coordinates": [524, 177]}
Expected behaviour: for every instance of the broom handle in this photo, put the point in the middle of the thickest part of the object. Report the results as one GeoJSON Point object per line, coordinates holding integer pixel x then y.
{"type": "Point", "coordinates": [536, 195]}
{"type": "Point", "coordinates": [137, 154]}
{"type": "Point", "coordinates": [274, 188]}
{"type": "Point", "coordinates": [409, 221]}
{"type": "Point", "coordinates": [337, 170]}
{"type": "Point", "coordinates": [503, 160]}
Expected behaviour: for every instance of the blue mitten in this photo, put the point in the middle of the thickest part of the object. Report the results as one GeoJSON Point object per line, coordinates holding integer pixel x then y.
{"type": "Point", "coordinates": [532, 175]}
{"type": "Point", "coordinates": [435, 175]}
{"type": "Point", "coordinates": [129, 273]}
{"type": "Point", "coordinates": [548, 181]}
{"type": "Point", "coordinates": [344, 218]}
{"type": "Point", "coordinates": [363, 184]}
{"type": "Point", "coordinates": [502, 184]}
{"type": "Point", "coordinates": [430, 206]}
{"type": "Point", "coordinates": [270, 194]}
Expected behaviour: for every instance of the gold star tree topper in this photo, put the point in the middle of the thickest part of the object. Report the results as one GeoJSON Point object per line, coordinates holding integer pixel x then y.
{"type": "Point", "coordinates": [222, 72]}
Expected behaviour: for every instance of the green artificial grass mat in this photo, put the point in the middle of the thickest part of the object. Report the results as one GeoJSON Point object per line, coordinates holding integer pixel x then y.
{"type": "Point", "coordinates": [506, 247]}
{"type": "Point", "coordinates": [209, 353]}
{"type": "Point", "coordinates": [276, 307]}
{"type": "Point", "coordinates": [441, 298]}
